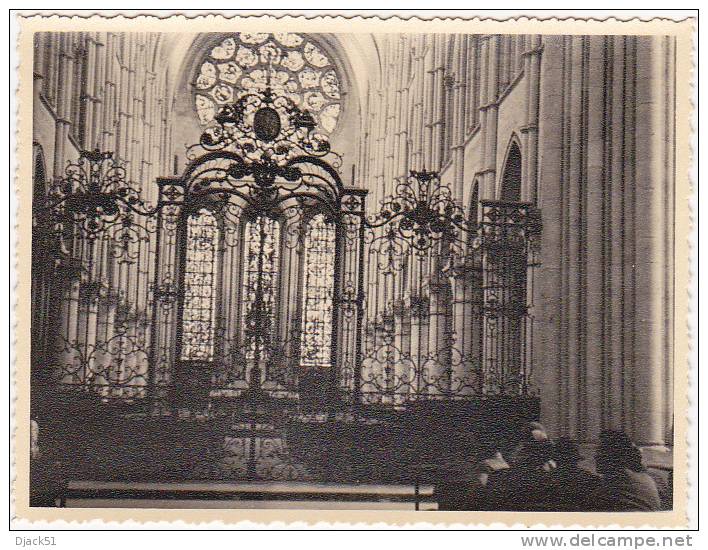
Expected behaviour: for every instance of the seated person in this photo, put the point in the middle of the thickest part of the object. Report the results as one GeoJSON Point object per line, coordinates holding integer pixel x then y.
{"type": "Point", "coordinates": [533, 431]}
{"type": "Point", "coordinates": [576, 489]}
{"type": "Point", "coordinates": [465, 489]}
{"type": "Point", "coordinates": [626, 485]}
{"type": "Point", "coordinates": [491, 460]}
{"type": "Point", "coordinates": [527, 484]}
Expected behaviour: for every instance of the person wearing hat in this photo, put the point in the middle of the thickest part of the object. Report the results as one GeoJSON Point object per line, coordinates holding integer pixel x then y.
{"type": "Point", "coordinates": [575, 488]}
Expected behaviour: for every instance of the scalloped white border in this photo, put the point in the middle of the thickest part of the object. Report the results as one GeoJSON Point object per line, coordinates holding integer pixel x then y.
{"type": "Point", "coordinates": [349, 22]}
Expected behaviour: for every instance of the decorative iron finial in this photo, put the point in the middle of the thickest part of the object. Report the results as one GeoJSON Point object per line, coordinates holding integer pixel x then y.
{"type": "Point", "coordinates": [265, 129]}
{"type": "Point", "coordinates": [423, 211]}
{"type": "Point", "coordinates": [93, 194]}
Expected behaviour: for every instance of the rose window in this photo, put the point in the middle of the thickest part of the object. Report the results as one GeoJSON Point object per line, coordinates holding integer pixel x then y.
{"type": "Point", "coordinates": [291, 64]}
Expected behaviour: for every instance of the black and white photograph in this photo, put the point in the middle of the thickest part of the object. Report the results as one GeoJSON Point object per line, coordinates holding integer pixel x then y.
{"type": "Point", "coordinates": [274, 267]}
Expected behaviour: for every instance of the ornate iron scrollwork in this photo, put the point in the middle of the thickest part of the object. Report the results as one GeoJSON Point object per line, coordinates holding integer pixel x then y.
{"type": "Point", "coordinates": [423, 212]}
{"type": "Point", "coordinates": [93, 195]}
{"type": "Point", "coordinates": [262, 159]}
{"type": "Point", "coordinates": [455, 318]}
{"type": "Point", "coordinates": [266, 131]}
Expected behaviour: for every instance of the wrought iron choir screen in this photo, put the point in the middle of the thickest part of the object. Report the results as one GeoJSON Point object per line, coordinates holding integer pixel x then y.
{"type": "Point", "coordinates": [257, 274]}
{"type": "Point", "coordinates": [448, 309]}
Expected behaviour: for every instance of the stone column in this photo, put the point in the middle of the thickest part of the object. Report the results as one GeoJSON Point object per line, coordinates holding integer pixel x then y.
{"type": "Point", "coordinates": [548, 373]}
{"type": "Point", "coordinates": [438, 100]}
{"type": "Point", "coordinates": [38, 70]}
{"type": "Point", "coordinates": [532, 61]}
{"type": "Point", "coordinates": [472, 84]}
{"type": "Point", "coordinates": [614, 378]}
{"type": "Point", "coordinates": [108, 141]}
{"type": "Point", "coordinates": [99, 79]}
{"type": "Point", "coordinates": [64, 75]}
{"type": "Point", "coordinates": [593, 228]}
{"type": "Point", "coordinates": [428, 104]}
{"type": "Point", "coordinates": [654, 183]}
{"type": "Point", "coordinates": [575, 238]}
{"type": "Point", "coordinates": [491, 110]}
{"type": "Point", "coordinates": [603, 292]}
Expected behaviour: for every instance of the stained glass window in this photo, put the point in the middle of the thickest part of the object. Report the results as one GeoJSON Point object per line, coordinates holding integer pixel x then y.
{"type": "Point", "coordinates": [198, 314]}
{"type": "Point", "coordinates": [298, 69]}
{"type": "Point", "coordinates": [316, 339]}
{"type": "Point", "coordinates": [261, 259]}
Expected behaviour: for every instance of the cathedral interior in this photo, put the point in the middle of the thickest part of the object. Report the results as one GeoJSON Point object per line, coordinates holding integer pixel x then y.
{"type": "Point", "coordinates": [314, 267]}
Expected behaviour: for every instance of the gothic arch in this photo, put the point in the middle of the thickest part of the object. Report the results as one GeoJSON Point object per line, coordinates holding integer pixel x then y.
{"type": "Point", "coordinates": [352, 61]}
{"type": "Point", "coordinates": [510, 182]}
{"type": "Point", "coordinates": [43, 277]}
{"type": "Point", "coordinates": [39, 172]}
{"type": "Point", "coordinates": [474, 201]}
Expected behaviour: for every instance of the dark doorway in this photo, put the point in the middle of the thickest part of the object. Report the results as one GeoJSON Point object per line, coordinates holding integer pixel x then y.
{"type": "Point", "coordinates": [511, 178]}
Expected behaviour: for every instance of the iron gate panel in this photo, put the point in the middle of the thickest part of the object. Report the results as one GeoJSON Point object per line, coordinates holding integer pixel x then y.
{"type": "Point", "coordinates": [448, 310]}
{"type": "Point", "coordinates": [135, 289]}
{"type": "Point", "coordinates": [439, 318]}
{"type": "Point", "coordinates": [202, 290]}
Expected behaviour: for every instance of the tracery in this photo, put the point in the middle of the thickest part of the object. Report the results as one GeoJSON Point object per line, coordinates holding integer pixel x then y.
{"type": "Point", "coordinates": [291, 64]}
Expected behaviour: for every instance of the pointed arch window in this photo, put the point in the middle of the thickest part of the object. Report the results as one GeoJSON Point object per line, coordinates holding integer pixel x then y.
{"type": "Point", "coordinates": [260, 285]}
{"type": "Point", "coordinates": [474, 203]}
{"type": "Point", "coordinates": [318, 291]}
{"type": "Point", "coordinates": [199, 297]}
{"type": "Point", "coordinates": [511, 178]}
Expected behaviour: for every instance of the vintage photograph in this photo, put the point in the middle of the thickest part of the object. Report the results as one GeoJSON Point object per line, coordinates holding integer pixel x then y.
{"type": "Point", "coordinates": [277, 267]}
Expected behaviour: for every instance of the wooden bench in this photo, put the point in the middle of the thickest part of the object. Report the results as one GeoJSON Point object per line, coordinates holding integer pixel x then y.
{"type": "Point", "coordinates": [295, 495]}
